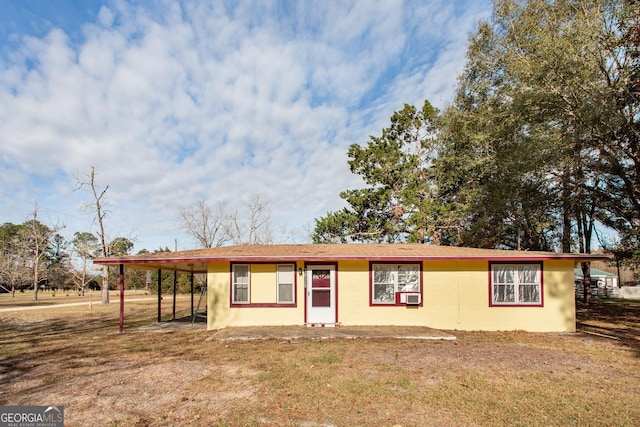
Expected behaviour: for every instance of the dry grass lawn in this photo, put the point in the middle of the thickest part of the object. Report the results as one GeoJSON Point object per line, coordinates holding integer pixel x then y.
{"type": "Point", "coordinates": [73, 356]}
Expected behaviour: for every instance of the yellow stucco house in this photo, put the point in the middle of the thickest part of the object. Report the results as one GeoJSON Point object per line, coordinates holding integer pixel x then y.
{"type": "Point", "coordinates": [440, 287]}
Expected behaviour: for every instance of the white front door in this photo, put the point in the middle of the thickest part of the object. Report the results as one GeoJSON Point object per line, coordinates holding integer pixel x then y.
{"type": "Point", "coordinates": [321, 294]}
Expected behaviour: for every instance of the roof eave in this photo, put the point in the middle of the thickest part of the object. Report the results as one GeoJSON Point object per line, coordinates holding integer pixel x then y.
{"type": "Point", "coordinates": [326, 258]}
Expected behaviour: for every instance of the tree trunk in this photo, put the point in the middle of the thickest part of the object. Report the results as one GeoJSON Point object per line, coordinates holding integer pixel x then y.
{"type": "Point", "coordinates": [566, 212]}
{"type": "Point", "coordinates": [36, 279]}
{"type": "Point", "coordinates": [83, 282]}
{"type": "Point", "coordinates": [586, 282]}
{"type": "Point", "coordinates": [586, 223]}
{"type": "Point", "coordinates": [105, 284]}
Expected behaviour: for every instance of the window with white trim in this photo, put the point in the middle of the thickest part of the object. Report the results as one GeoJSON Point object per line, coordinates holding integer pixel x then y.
{"type": "Point", "coordinates": [516, 284]}
{"type": "Point", "coordinates": [241, 286]}
{"type": "Point", "coordinates": [388, 281]}
{"type": "Point", "coordinates": [285, 279]}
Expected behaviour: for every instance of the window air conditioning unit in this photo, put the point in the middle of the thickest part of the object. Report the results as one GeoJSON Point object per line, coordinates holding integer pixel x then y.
{"type": "Point", "coordinates": [412, 299]}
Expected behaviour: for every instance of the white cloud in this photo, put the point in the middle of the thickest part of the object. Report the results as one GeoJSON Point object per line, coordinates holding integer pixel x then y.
{"type": "Point", "coordinates": [173, 103]}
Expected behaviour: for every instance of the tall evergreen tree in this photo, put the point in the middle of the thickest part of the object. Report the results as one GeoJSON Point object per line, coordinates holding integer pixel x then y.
{"type": "Point", "coordinates": [544, 91]}
{"type": "Point", "coordinates": [399, 203]}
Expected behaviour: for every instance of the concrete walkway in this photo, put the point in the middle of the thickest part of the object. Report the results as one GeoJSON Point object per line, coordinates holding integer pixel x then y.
{"type": "Point", "coordinates": [288, 333]}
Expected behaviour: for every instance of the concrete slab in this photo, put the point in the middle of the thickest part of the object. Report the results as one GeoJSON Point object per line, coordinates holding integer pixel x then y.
{"type": "Point", "coordinates": [289, 333]}
{"type": "Point", "coordinates": [172, 326]}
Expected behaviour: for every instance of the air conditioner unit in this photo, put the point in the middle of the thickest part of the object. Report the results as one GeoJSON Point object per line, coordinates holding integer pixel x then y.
{"type": "Point", "coordinates": [412, 299]}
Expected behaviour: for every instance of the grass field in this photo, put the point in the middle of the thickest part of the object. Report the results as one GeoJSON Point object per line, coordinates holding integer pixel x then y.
{"type": "Point", "coordinates": [73, 356]}
{"type": "Point", "coordinates": [25, 299]}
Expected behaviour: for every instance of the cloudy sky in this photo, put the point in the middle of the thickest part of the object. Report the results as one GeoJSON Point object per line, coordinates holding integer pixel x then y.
{"type": "Point", "coordinates": [173, 102]}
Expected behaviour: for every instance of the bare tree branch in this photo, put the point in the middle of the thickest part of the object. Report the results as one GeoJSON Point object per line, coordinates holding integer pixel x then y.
{"type": "Point", "coordinates": [222, 223]}
{"type": "Point", "coordinates": [36, 240]}
{"type": "Point", "coordinates": [206, 224]}
{"type": "Point", "coordinates": [98, 207]}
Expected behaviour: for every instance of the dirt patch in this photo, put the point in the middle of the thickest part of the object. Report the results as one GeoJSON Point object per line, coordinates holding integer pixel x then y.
{"type": "Point", "coordinates": [150, 392]}
{"type": "Point", "coordinates": [492, 359]}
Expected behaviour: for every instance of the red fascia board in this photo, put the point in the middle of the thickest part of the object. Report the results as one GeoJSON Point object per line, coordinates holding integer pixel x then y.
{"type": "Point", "coordinates": [563, 257]}
{"type": "Point", "coordinates": [147, 260]}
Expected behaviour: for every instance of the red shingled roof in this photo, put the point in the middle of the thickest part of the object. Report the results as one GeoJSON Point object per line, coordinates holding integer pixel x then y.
{"type": "Point", "coordinates": [196, 260]}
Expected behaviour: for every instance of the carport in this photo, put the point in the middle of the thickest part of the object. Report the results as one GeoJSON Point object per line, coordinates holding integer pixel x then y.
{"type": "Point", "coordinates": [184, 262]}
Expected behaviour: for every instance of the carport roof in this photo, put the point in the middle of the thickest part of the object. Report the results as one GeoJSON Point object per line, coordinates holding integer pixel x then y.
{"type": "Point", "coordinates": [196, 260]}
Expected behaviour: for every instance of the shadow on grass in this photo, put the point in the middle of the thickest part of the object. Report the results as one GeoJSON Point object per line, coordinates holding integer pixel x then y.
{"type": "Point", "coordinates": [13, 304]}
{"type": "Point", "coordinates": [49, 349]}
{"type": "Point", "coordinates": [619, 319]}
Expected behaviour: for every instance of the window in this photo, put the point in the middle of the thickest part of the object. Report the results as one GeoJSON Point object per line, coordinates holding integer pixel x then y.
{"type": "Point", "coordinates": [516, 284]}
{"type": "Point", "coordinates": [286, 276]}
{"type": "Point", "coordinates": [262, 284]}
{"type": "Point", "coordinates": [390, 281]}
{"type": "Point", "coordinates": [240, 288]}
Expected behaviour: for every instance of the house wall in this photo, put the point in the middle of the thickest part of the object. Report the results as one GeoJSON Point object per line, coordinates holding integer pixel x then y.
{"type": "Point", "coordinates": [263, 311]}
{"type": "Point", "coordinates": [354, 297]}
{"type": "Point", "coordinates": [263, 277]}
{"type": "Point", "coordinates": [455, 296]}
{"type": "Point", "coordinates": [458, 298]}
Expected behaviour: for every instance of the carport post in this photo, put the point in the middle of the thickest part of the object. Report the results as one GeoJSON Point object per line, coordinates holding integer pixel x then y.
{"type": "Point", "coordinates": [159, 295]}
{"type": "Point", "coordinates": [175, 282]}
{"type": "Point", "coordinates": [192, 294]}
{"type": "Point", "coordinates": [121, 298]}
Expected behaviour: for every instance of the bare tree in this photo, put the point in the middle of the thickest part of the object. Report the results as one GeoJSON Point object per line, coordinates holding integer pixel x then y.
{"type": "Point", "coordinates": [255, 226]}
{"type": "Point", "coordinates": [221, 224]}
{"type": "Point", "coordinates": [36, 239]}
{"type": "Point", "coordinates": [13, 270]}
{"type": "Point", "coordinates": [98, 206]}
{"type": "Point", "coordinates": [85, 247]}
{"type": "Point", "coordinates": [206, 224]}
